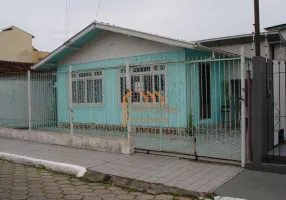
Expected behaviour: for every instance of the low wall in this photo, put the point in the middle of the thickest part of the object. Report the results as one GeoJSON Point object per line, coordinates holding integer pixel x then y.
{"type": "Point", "coordinates": [64, 139]}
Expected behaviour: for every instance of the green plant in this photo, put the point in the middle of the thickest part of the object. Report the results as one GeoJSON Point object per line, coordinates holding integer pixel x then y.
{"type": "Point", "coordinates": [191, 126]}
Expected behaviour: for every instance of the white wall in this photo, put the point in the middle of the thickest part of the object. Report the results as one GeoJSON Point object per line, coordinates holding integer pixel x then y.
{"type": "Point", "coordinates": [235, 48]}
{"type": "Point", "coordinates": [108, 45]}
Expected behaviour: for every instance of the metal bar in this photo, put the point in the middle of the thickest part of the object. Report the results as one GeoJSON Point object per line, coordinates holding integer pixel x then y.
{"type": "Point", "coordinates": [192, 68]}
{"type": "Point", "coordinates": [70, 100]}
{"type": "Point", "coordinates": [242, 106]}
{"type": "Point", "coordinates": [29, 101]}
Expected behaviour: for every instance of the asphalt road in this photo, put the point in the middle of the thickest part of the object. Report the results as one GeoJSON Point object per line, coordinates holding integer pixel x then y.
{"type": "Point", "coordinates": [254, 185]}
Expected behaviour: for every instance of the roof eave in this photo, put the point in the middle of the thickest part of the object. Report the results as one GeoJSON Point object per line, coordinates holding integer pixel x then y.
{"type": "Point", "coordinates": [65, 45]}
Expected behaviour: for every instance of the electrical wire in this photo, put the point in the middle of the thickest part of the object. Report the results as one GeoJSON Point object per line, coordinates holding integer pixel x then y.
{"type": "Point", "coordinates": [98, 9]}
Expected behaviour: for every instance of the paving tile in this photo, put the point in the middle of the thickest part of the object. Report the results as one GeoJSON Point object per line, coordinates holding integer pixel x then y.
{"type": "Point", "coordinates": [204, 188]}
{"type": "Point", "coordinates": [194, 187]}
{"type": "Point", "coordinates": [213, 183]}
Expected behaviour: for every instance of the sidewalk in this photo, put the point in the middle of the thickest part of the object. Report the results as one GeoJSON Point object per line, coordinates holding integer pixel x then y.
{"type": "Point", "coordinates": [169, 171]}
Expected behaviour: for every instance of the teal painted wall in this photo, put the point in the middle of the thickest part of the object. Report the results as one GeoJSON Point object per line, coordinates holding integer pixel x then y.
{"type": "Point", "coordinates": [216, 78]}
{"type": "Point", "coordinates": [111, 111]}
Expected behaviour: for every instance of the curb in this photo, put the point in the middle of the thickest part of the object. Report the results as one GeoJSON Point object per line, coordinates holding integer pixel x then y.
{"type": "Point", "coordinates": [65, 168]}
{"type": "Point", "coordinates": [142, 186]}
{"type": "Point", "coordinates": [82, 172]}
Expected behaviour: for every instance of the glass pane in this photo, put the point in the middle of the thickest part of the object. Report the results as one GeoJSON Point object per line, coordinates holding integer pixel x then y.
{"type": "Point", "coordinates": [89, 88]}
{"type": "Point", "coordinates": [159, 84]}
{"type": "Point", "coordinates": [85, 74]}
{"type": "Point", "coordinates": [74, 92]}
{"type": "Point", "coordinates": [148, 86]}
{"type": "Point", "coordinates": [122, 87]}
{"type": "Point", "coordinates": [135, 94]}
{"type": "Point", "coordinates": [123, 70]}
{"type": "Point", "coordinates": [81, 91]}
{"type": "Point", "coordinates": [99, 73]}
{"type": "Point", "coordinates": [98, 91]}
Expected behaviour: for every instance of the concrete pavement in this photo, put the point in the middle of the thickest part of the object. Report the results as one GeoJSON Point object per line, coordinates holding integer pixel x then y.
{"type": "Point", "coordinates": [170, 171]}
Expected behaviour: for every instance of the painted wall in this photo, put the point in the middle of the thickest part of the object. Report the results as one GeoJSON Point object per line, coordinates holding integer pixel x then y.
{"type": "Point", "coordinates": [38, 55]}
{"type": "Point", "coordinates": [16, 45]}
{"type": "Point", "coordinates": [111, 111]}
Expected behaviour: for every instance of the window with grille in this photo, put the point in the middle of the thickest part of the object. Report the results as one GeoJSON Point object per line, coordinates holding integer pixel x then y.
{"type": "Point", "coordinates": [144, 78]}
{"type": "Point", "coordinates": [87, 87]}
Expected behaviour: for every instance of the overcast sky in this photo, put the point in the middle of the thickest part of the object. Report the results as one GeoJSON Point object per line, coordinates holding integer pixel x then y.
{"type": "Point", "coordinates": [182, 19]}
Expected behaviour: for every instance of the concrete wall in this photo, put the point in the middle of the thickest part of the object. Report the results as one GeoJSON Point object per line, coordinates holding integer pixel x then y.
{"type": "Point", "coordinates": [16, 45]}
{"type": "Point", "coordinates": [109, 45]}
{"type": "Point", "coordinates": [76, 141]}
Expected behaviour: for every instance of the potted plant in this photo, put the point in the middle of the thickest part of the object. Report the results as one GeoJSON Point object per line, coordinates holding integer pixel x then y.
{"type": "Point", "coordinates": [191, 127]}
{"type": "Point", "coordinates": [226, 108]}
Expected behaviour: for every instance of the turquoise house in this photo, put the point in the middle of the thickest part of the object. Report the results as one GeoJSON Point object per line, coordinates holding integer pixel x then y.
{"type": "Point", "coordinates": [91, 80]}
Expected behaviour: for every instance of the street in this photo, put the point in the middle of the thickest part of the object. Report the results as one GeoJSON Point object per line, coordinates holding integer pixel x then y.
{"type": "Point", "coordinates": [23, 182]}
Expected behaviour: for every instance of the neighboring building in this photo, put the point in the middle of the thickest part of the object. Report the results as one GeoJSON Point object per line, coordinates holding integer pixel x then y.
{"type": "Point", "coordinates": [276, 37]}
{"type": "Point", "coordinates": [38, 55]}
{"type": "Point", "coordinates": [16, 45]}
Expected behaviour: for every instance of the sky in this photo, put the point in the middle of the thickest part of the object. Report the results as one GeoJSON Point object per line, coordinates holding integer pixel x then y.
{"type": "Point", "coordinates": [180, 19]}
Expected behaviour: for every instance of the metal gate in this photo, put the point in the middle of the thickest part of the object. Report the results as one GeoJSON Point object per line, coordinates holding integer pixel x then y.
{"type": "Point", "coordinates": [276, 112]}
{"type": "Point", "coordinates": [198, 114]}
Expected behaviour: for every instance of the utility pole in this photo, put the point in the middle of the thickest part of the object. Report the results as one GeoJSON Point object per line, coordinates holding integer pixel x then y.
{"type": "Point", "coordinates": [257, 28]}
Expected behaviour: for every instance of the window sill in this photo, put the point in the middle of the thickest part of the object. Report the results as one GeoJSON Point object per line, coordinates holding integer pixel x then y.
{"type": "Point", "coordinates": [139, 105]}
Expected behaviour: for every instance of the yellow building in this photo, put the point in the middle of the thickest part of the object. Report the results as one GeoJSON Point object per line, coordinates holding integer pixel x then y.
{"type": "Point", "coordinates": [16, 45]}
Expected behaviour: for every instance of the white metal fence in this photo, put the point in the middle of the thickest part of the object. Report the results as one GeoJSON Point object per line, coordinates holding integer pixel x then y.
{"type": "Point", "coordinates": [190, 107]}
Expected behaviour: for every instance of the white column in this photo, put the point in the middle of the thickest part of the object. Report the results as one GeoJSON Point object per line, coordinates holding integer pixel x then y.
{"type": "Point", "coordinates": [128, 87]}
{"type": "Point", "coordinates": [243, 106]}
{"type": "Point", "coordinates": [29, 101]}
{"type": "Point", "coordinates": [70, 99]}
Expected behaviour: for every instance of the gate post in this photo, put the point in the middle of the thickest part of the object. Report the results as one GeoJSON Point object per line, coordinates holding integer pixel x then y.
{"type": "Point", "coordinates": [129, 103]}
{"type": "Point", "coordinates": [262, 98]}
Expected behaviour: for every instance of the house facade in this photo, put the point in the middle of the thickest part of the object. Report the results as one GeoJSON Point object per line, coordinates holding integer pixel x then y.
{"type": "Point", "coordinates": [176, 86]}
{"type": "Point", "coordinates": [103, 57]}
